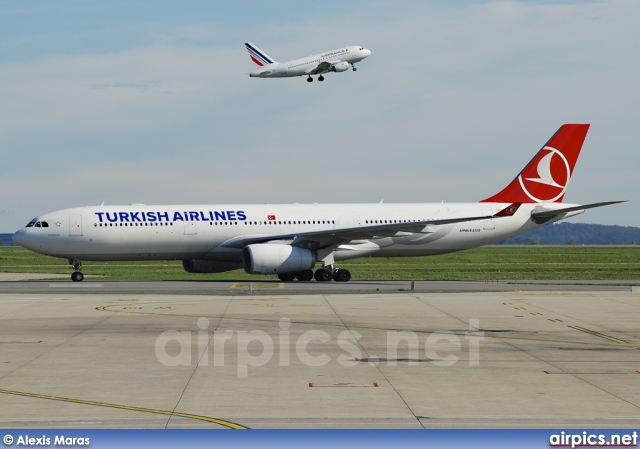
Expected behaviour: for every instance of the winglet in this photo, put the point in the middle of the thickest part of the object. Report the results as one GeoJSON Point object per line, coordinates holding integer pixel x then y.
{"type": "Point", "coordinates": [509, 211]}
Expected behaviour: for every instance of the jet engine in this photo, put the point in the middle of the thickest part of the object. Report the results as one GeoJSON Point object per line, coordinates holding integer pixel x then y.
{"type": "Point", "coordinates": [209, 266]}
{"type": "Point", "coordinates": [275, 258]}
{"type": "Point", "coordinates": [339, 67]}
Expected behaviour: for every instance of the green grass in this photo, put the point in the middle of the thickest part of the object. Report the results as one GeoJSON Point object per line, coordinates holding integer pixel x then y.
{"type": "Point", "coordinates": [486, 263]}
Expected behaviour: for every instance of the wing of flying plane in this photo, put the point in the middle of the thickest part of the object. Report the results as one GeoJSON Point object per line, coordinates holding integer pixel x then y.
{"type": "Point", "coordinates": [332, 237]}
{"type": "Point", "coordinates": [323, 67]}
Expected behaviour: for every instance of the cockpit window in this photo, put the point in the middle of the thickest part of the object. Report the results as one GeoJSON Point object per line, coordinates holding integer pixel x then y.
{"type": "Point", "coordinates": [38, 225]}
{"type": "Point", "coordinates": [45, 224]}
{"type": "Point", "coordinates": [31, 223]}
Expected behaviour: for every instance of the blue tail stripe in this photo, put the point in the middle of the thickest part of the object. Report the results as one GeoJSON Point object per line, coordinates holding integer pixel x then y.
{"type": "Point", "coordinates": [259, 54]}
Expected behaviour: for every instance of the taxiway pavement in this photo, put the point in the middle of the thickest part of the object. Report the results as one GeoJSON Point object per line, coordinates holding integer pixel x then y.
{"type": "Point", "coordinates": [183, 355]}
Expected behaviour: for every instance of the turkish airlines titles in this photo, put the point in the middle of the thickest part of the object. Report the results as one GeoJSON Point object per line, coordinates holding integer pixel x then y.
{"type": "Point", "coordinates": [134, 217]}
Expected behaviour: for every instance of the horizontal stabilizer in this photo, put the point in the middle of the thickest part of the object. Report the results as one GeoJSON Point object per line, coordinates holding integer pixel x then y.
{"type": "Point", "coordinates": [543, 216]}
{"type": "Point", "coordinates": [556, 212]}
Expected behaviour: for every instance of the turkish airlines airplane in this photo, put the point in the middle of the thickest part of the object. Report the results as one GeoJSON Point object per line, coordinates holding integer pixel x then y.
{"type": "Point", "coordinates": [288, 240]}
{"type": "Point", "coordinates": [337, 60]}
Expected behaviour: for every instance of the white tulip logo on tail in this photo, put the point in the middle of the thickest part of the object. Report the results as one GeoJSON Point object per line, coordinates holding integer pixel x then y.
{"type": "Point", "coordinates": [548, 179]}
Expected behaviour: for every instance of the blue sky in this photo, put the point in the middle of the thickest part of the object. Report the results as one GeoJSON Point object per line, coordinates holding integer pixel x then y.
{"type": "Point", "coordinates": [150, 102]}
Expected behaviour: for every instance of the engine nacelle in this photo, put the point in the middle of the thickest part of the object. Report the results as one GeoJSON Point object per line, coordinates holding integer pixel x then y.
{"type": "Point", "coordinates": [340, 67]}
{"type": "Point", "coordinates": [209, 266]}
{"type": "Point", "coordinates": [275, 258]}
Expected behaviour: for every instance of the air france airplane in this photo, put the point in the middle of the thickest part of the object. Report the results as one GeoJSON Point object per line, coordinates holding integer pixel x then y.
{"type": "Point", "coordinates": [289, 240]}
{"type": "Point", "coordinates": [337, 60]}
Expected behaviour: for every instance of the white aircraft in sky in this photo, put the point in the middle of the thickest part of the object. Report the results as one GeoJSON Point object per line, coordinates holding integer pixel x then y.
{"type": "Point", "coordinates": [288, 240]}
{"type": "Point", "coordinates": [337, 60]}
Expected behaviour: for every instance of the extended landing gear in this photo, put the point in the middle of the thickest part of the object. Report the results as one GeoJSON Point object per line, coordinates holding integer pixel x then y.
{"type": "Point", "coordinates": [321, 78]}
{"type": "Point", "coordinates": [287, 277]}
{"type": "Point", "coordinates": [323, 275]}
{"type": "Point", "coordinates": [310, 80]}
{"type": "Point", "coordinates": [327, 274]}
{"type": "Point", "coordinates": [341, 275]}
{"type": "Point", "coordinates": [354, 67]}
{"type": "Point", "coordinates": [77, 275]}
{"type": "Point", "coordinates": [304, 276]}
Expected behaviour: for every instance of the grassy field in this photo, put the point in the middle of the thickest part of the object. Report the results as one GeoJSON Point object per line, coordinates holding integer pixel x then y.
{"type": "Point", "coordinates": [487, 263]}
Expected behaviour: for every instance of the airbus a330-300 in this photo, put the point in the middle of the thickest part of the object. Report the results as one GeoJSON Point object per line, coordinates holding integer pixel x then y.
{"type": "Point", "coordinates": [288, 240]}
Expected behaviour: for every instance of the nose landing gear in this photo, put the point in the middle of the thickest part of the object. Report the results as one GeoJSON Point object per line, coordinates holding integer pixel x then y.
{"type": "Point", "coordinates": [77, 275]}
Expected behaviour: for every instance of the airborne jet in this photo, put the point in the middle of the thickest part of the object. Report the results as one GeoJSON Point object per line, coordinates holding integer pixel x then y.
{"type": "Point", "coordinates": [337, 60]}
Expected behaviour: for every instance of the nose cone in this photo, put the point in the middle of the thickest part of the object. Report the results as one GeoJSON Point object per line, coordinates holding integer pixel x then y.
{"type": "Point", "coordinates": [366, 52]}
{"type": "Point", "coordinates": [19, 237]}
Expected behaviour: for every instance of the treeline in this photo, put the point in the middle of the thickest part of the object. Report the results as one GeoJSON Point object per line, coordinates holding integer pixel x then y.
{"type": "Point", "coordinates": [577, 234]}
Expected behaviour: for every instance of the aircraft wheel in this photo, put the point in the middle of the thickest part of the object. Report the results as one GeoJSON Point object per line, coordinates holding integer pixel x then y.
{"type": "Point", "coordinates": [309, 79]}
{"type": "Point", "coordinates": [321, 78]}
{"type": "Point", "coordinates": [77, 277]}
{"type": "Point", "coordinates": [322, 275]}
{"type": "Point", "coordinates": [305, 275]}
{"type": "Point", "coordinates": [341, 275]}
{"type": "Point", "coordinates": [287, 277]}
{"type": "Point", "coordinates": [354, 69]}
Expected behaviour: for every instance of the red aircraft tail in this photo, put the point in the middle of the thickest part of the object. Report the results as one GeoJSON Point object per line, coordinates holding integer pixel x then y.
{"type": "Point", "coordinates": [547, 175]}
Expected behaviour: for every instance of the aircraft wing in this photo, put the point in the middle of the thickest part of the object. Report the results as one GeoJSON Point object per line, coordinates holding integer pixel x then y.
{"type": "Point", "coordinates": [323, 67]}
{"type": "Point", "coordinates": [333, 237]}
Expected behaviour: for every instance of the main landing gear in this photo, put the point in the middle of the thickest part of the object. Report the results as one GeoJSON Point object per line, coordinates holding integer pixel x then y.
{"type": "Point", "coordinates": [77, 275]}
{"type": "Point", "coordinates": [328, 273]}
{"type": "Point", "coordinates": [304, 276]}
{"type": "Point", "coordinates": [310, 80]}
{"type": "Point", "coordinates": [325, 274]}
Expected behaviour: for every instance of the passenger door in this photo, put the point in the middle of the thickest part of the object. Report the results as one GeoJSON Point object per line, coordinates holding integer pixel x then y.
{"type": "Point", "coordinates": [75, 225]}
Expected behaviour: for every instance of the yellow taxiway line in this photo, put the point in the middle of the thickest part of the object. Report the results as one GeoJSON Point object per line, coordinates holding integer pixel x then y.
{"type": "Point", "coordinates": [221, 422]}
